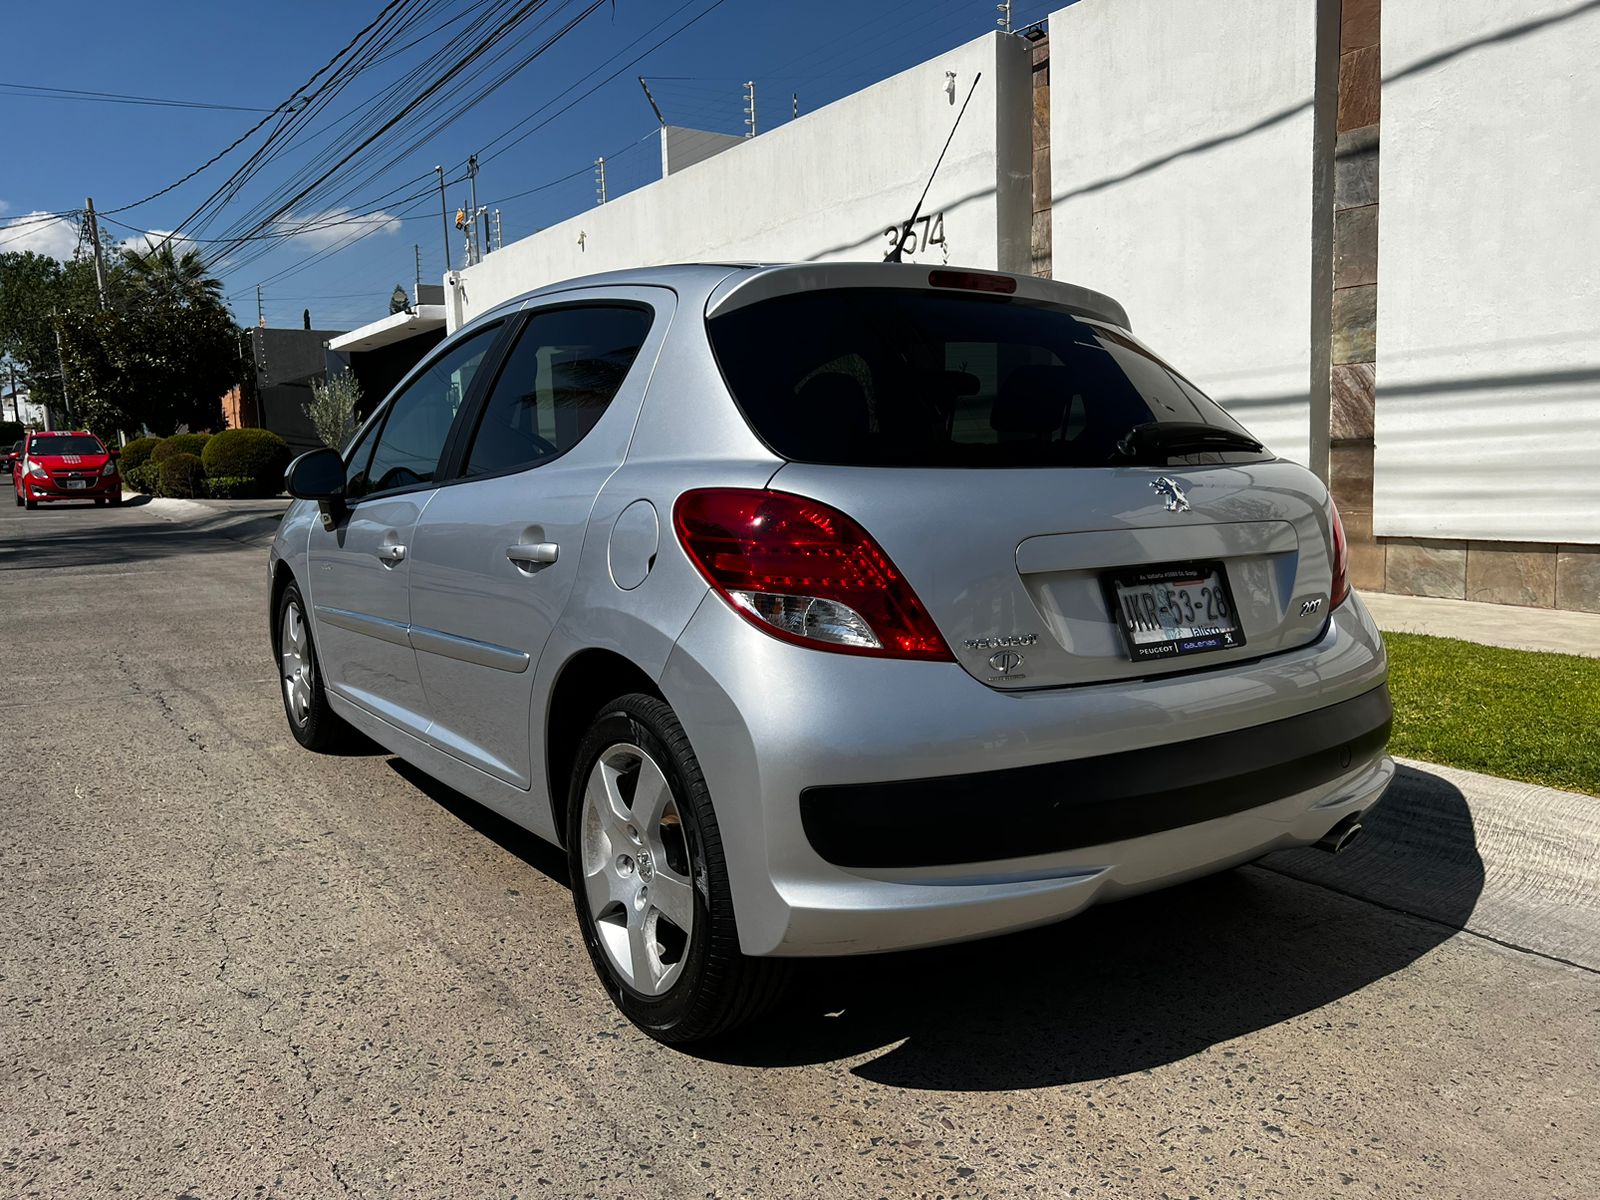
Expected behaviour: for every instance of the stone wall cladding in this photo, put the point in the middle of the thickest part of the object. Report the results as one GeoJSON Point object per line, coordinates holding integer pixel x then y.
{"type": "Point", "coordinates": [1354, 335]}
{"type": "Point", "coordinates": [1043, 261]}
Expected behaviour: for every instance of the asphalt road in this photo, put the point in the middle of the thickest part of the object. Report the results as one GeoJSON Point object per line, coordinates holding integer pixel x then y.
{"type": "Point", "coordinates": [231, 968]}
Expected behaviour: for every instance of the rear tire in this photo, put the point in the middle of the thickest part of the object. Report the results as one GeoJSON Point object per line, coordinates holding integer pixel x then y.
{"type": "Point", "coordinates": [305, 703]}
{"type": "Point", "coordinates": [638, 799]}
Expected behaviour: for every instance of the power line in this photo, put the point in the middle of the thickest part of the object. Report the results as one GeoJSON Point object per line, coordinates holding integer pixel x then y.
{"type": "Point", "coordinates": [40, 92]}
{"type": "Point", "coordinates": [320, 71]}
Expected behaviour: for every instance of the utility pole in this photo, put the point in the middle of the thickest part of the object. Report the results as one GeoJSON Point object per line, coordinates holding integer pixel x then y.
{"type": "Point", "coordinates": [16, 405]}
{"type": "Point", "coordinates": [1004, 19]}
{"type": "Point", "coordinates": [261, 313]}
{"type": "Point", "coordinates": [99, 256]}
{"type": "Point", "coordinates": [472, 174]}
{"type": "Point", "coordinates": [750, 107]}
{"type": "Point", "coordinates": [444, 220]}
{"type": "Point", "coordinates": [61, 364]}
{"type": "Point", "coordinates": [600, 179]}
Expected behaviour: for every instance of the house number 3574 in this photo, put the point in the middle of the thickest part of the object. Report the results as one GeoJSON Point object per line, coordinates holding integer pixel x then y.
{"type": "Point", "coordinates": [931, 229]}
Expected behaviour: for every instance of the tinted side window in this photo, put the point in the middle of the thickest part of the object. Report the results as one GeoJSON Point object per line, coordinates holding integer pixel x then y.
{"type": "Point", "coordinates": [419, 419]}
{"type": "Point", "coordinates": [557, 381]}
{"type": "Point", "coordinates": [355, 466]}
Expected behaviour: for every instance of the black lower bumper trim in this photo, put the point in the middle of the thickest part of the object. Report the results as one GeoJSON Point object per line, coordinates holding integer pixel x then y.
{"type": "Point", "coordinates": [1044, 809]}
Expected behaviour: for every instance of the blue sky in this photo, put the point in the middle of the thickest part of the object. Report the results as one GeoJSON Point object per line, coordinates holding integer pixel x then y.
{"type": "Point", "coordinates": [59, 150]}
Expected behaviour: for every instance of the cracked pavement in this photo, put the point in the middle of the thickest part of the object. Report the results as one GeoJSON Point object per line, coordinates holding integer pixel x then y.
{"type": "Point", "coordinates": [232, 968]}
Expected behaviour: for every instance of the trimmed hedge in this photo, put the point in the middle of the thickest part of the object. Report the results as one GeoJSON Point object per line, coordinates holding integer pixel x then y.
{"type": "Point", "coordinates": [180, 443]}
{"type": "Point", "coordinates": [183, 475]}
{"type": "Point", "coordinates": [146, 478]}
{"type": "Point", "coordinates": [137, 452]}
{"type": "Point", "coordinates": [236, 487]}
{"type": "Point", "coordinates": [257, 454]}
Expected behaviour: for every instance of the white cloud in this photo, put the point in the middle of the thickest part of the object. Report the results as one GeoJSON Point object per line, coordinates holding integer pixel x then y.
{"type": "Point", "coordinates": [55, 239]}
{"type": "Point", "coordinates": [337, 225]}
{"type": "Point", "coordinates": [143, 242]}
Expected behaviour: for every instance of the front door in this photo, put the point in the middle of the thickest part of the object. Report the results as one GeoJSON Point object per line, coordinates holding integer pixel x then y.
{"type": "Point", "coordinates": [496, 553]}
{"type": "Point", "coordinates": [360, 568]}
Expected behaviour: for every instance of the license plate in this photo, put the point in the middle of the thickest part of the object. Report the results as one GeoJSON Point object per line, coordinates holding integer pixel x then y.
{"type": "Point", "coordinates": [74, 484]}
{"type": "Point", "coordinates": [1173, 610]}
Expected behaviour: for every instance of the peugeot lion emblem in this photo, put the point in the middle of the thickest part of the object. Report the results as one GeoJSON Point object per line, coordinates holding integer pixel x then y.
{"type": "Point", "coordinates": [1005, 661]}
{"type": "Point", "coordinates": [1168, 487]}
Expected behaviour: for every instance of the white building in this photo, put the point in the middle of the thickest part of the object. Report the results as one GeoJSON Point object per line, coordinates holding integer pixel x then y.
{"type": "Point", "coordinates": [1214, 165]}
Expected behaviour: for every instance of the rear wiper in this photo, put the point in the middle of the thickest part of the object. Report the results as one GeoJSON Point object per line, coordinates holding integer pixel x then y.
{"type": "Point", "coordinates": [1159, 440]}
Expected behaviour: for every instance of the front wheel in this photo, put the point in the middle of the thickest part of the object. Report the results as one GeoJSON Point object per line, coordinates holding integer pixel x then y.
{"type": "Point", "coordinates": [650, 883]}
{"type": "Point", "coordinates": [305, 702]}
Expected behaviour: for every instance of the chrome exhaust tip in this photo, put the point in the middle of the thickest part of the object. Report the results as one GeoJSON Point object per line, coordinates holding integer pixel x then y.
{"type": "Point", "coordinates": [1341, 837]}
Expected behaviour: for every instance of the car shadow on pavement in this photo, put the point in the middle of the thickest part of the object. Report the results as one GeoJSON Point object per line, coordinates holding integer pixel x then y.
{"type": "Point", "coordinates": [1148, 981]}
{"type": "Point", "coordinates": [1124, 987]}
{"type": "Point", "coordinates": [512, 838]}
{"type": "Point", "coordinates": [108, 543]}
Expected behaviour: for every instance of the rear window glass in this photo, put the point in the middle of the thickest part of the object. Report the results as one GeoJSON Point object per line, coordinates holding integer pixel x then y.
{"type": "Point", "coordinates": [897, 377]}
{"type": "Point", "coordinates": [66, 443]}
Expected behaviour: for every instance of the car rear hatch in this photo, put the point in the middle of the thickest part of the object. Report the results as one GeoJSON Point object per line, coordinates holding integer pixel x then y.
{"type": "Point", "coordinates": [984, 441]}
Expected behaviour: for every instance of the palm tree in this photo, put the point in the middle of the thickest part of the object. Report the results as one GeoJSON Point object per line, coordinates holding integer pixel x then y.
{"type": "Point", "coordinates": [181, 277]}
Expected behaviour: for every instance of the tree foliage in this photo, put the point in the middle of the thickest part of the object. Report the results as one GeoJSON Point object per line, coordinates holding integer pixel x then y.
{"type": "Point", "coordinates": [33, 290]}
{"type": "Point", "coordinates": [160, 355]}
{"type": "Point", "coordinates": [333, 408]}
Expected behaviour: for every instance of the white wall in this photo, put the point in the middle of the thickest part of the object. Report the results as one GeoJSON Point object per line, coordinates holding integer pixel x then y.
{"type": "Point", "coordinates": [683, 147]}
{"type": "Point", "coordinates": [823, 187]}
{"type": "Point", "coordinates": [1488, 417]}
{"type": "Point", "coordinates": [1181, 172]}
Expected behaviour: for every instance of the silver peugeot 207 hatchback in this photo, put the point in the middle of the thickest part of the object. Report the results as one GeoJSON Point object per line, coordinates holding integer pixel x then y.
{"type": "Point", "coordinates": [831, 609]}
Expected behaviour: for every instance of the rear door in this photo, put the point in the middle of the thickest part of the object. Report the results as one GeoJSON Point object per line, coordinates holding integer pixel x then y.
{"type": "Point", "coordinates": [984, 442]}
{"type": "Point", "coordinates": [359, 569]}
{"type": "Point", "coordinates": [495, 555]}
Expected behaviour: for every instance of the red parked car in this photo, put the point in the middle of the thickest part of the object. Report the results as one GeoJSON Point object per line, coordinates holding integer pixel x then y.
{"type": "Point", "coordinates": [66, 466]}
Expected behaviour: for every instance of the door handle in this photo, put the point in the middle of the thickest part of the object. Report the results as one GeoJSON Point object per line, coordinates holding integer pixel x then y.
{"type": "Point", "coordinates": [392, 554]}
{"type": "Point", "coordinates": [535, 555]}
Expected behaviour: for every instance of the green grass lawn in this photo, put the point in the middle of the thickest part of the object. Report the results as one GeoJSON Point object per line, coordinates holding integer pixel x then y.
{"type": "Point", "coordinates": [1512, 713]}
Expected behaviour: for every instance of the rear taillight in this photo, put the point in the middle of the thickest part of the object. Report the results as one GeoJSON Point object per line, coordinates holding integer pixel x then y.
{"type": "Point", "coordinates": [804, 572]}
{"type": "Point", "coordinates": [1341, 558]}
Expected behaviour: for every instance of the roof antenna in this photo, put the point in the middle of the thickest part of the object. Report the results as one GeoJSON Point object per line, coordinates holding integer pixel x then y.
{"type": "Point", "coordinates": [894, 255]}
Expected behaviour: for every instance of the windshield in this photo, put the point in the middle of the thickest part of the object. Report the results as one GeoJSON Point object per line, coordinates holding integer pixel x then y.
{"type": "Point", "coordinates": [65, 443]}
{"type": "Point", "coordinates": [896, 377]}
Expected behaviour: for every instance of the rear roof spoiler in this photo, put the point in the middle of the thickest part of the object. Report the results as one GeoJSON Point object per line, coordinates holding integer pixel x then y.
{"type": "Point", "coordinates": [763, 283]}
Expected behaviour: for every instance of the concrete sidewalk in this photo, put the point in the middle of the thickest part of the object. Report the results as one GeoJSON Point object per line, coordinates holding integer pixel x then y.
{"type": "Point", "coordinates": [1554, 630]}
{"type": "Point", "coordinates": [1513, 862]}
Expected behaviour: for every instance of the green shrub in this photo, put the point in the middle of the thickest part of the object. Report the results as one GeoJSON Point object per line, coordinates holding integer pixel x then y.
{"type": "Point", "coordinates": [236, 487]}
{"type": "Point", "coordinates": [136, 453]}
{"type": "Point", "coordinates": [180, 443]}
{"type": "Point", "coordinates": [183, 475]}
{"type": "Point", "coordinates": [146, 478]}
{"type": "Point", "coordinates": [257, 454]}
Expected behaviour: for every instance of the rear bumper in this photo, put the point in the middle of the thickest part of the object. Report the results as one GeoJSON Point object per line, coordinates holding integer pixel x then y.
{"type": "Point", "coordinates": [1053, 807]}
{"type": "Point", "coordinates": [871, 804]}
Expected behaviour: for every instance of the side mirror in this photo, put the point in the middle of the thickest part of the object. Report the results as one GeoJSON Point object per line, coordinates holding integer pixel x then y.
{"type": "Point", "coordinates": [114, 452]}
{"type": "Point", "coordinates": [318, 475]}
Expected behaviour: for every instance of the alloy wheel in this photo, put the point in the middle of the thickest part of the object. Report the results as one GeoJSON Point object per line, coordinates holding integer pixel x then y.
{"type": "Point", "coordinates": [637, 869]}
{"type": "Point", "coordinates": [294, 654]}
